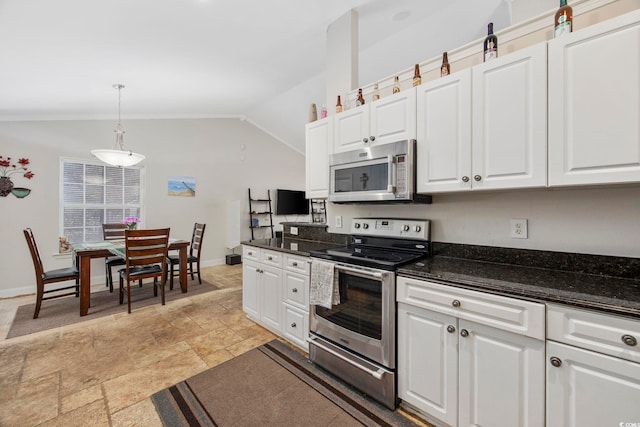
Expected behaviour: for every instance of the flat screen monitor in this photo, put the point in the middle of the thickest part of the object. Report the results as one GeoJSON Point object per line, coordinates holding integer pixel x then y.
{"type": "Point", "coordinates": [291, 202]}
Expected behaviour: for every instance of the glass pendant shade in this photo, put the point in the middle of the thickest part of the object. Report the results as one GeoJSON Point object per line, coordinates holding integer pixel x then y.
{"type": "Point", "coordinates": [118, 156]}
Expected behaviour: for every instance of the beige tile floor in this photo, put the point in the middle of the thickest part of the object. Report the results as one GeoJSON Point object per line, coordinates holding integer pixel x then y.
{"type": "Point", "coordinates": [101, 372]}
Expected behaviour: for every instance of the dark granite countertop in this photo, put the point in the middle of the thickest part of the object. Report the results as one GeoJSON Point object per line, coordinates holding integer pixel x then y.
{"type": "Point", "coordinates": [605, 293]}
{"type": "Point", "coordinates": [293, 246]}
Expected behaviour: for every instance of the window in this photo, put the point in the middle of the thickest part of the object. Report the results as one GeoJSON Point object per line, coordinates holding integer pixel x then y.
{"type": "Point", "coordinates": [93, 194]}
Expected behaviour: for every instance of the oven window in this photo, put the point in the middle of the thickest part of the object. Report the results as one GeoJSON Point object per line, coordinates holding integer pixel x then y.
{"type": "Point", "coordinates": [360, 308]}
{"type": "Point", "coordinates": [362, 178]}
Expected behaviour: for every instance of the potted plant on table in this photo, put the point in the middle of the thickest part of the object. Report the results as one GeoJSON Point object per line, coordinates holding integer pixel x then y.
{"type": "Point", "coordinates": [131, 222]}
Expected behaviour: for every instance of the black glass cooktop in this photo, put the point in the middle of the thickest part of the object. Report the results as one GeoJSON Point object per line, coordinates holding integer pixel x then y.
{"type": "Point", "coordinates": [382, 258]}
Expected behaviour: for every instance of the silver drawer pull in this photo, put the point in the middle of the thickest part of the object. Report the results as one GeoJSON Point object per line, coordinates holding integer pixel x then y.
{"type": "Point", "coordinates": [293, 325]}
{"type": "Point", "coordinates": [375, 374]}
{"type": "Point", "coordinates": [270, 258]}
{"type": "Point", "coordinates": [629, 340]}
{"type": "Point", "coordinates": [451, 329]}
{"type": "Point", "coordinates": [294, 290]}
{"type": "Point", "coordinates": [295, 264]}
{"type": "Point", "coordinates": [464, 333]}
{"type": "Point", "coordinates": [455, 303]}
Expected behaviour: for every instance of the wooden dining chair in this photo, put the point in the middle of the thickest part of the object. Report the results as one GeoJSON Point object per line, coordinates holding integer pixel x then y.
{"type": "Point", "coordinates": [112, 232]}
{"type": "Point", "coordinates": [45, 278]}
{"type": "Point", "coordinates": [146, 254]}
{"type": "Point", "coordinates": [194, 255]}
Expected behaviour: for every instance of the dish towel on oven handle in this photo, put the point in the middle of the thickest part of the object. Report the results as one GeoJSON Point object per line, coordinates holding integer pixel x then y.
{"type": "Point", "coordinates": [322, 289]}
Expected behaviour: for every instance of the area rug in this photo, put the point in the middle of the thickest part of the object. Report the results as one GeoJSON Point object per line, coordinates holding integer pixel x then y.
{"type": "Point", "coordinates": [272, 385]}
{"type": "Point", "coordinates": [66, 311]}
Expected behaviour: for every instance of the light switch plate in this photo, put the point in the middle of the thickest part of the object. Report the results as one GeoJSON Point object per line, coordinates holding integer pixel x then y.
{"type": "Point", "coordinates": [519, 229]}
{"type": "Point", "coordinates": [294, 231]}
{"type": "Point", "coordinates": [338, 221]}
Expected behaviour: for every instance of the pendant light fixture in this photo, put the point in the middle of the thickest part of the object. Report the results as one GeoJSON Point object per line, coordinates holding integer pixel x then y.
{"type": "Point", "coordinates": [118, 156]}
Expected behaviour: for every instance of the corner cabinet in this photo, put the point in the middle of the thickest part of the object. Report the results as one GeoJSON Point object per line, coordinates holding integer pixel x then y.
{"type": "Point", "coordinates": [593, 369]}
{"type": "Point", "coordinates": [594, 104]}
{"type": "Point", "coordinates": [389, 119]}
{"type": "Point", "coordinates": [318, 140]}
{"type": "Point", "coordinates": [275, 292]}
{"type": "Point", "coordinates": [469, 358]}
{"type": "Point", "coordinates": [485, 128]}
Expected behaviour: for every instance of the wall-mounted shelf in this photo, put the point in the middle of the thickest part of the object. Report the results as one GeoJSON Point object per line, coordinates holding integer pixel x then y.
{"type": "Point", "coordinates": [260, 214]}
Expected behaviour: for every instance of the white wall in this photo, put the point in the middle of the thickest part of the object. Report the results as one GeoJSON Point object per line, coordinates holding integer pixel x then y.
{"type": "Point", "coordinates": [211, 150]}
{"type": "Point", "coordinates": [603, 221]}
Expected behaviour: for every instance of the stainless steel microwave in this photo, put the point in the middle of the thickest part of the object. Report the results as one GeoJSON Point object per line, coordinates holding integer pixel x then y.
{"type": "Point", "coordinates": [380, 173]}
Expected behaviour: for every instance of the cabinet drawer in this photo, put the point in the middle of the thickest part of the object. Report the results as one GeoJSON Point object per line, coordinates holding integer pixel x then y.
{"type": "Point", "coordinates": [608, 334]}
{"type": "Point", "coordinates": [509, 314]}
{"type": "Point", "coordinates": [251, 253]}
{"type": "Point", "coordinates": [272, 258]}
{"type": "Point", "coordinates": [297, 264]}
{"type": "Point", "coordinates": [296, 290]}
{"type": "Point", "coordinates": [296, 326]}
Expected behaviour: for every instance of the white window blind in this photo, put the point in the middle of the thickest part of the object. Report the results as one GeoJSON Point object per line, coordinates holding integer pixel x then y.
{"type": "Point", "coordinates": [93, 194]}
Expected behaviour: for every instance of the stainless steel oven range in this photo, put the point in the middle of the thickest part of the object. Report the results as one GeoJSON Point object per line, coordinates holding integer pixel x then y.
{"type": "Point", "coordinates": [355, 339]}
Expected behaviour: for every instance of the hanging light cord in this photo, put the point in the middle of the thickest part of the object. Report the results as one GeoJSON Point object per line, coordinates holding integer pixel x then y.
{"type": "Point", "coordinates": [119, 132]}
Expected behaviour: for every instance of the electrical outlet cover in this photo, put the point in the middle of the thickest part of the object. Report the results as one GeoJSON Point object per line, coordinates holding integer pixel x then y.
{"type": "Point", "coordinates": [338, 221]}
{"type": "Point", "coordinates": [519, 229]}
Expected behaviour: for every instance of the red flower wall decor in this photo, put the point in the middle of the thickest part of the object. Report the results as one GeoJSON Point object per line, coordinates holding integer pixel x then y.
{"type": "Point", "coordinates": [8, 168]}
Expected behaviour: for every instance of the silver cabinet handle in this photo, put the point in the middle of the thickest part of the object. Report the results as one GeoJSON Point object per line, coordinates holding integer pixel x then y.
{"type": "Point", "coordinates": [294, 290]}
{"type": "Point", "coordinates": [555, 361]}
{"type": "Point", "coordinates": [365, 140]}
{"type": "Point", "coordinates": [372, 138]}
{"type": "Point", "coordinates": [629, 340]}
{"type": "Point", "coordinates": [477, 177]}
{"type": "Point", "coordinates": [293, 325]}
{"type": "Point", "coordinates": [295, 264]}
{"type": "Point", "coordinates": [465, 179]}
{"type": "Point", "coordinates": [455, 303]}
{"type": "Point", "coordinates": [451, 329]}
{"type": "Point", "coordinates": [270, 258]}
{"type": "Point", "coordinates": [464, 333]}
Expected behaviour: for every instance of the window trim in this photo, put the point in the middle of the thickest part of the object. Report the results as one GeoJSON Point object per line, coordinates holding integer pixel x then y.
{"type": "Point", "coordinates": [95, 162]}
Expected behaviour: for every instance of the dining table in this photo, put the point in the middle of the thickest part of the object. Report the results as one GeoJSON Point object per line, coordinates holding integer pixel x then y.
{"type": "Point", "coordinates": [85, 252]}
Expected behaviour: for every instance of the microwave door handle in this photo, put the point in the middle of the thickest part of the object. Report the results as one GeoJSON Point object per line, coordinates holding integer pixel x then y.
{"type": "Point", "coordinates": [392, 174]}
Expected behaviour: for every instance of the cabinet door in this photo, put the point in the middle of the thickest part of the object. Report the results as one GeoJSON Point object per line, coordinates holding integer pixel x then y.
{"type": "Point", "coordinates": [501, 378]}
{"type": "Point", "coordinates": [318, 137]}
{"type": "Point", "coordinates": [393, 118]}
{"type": "Point", "coordinates": [510, 121]}
{"type": "Point", "coordinates": [428, 362]}
{"type": "Point", "coordinates": [296, 290]}
{"type": "Point", "coordinates": [296, 326]}
{"type": "Point", "coordinates": [351, 129]}
{"type": "Point", "coordinates": [250, 290]}
{"type": "Point", "coordinates": [444, 134]}
{"type": "Point", "coordinates": [594, 104]}
{"type": "Point", "coordinates": [589, 389]}
{"type": "Point", "coordinates": [271, 298]}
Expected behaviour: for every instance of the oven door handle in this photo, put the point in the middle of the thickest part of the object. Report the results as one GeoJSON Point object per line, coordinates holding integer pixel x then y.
{"type": "Point", "coordinates": [376, 374]}
{"type": "Point", "coordinates": [355, 270]}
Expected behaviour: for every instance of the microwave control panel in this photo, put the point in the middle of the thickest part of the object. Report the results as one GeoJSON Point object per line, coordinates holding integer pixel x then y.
{"type": "Point", "coordinates": [392, 227]}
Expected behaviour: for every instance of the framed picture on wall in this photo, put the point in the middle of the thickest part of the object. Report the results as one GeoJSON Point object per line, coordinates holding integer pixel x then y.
{"type": "Point", "coordinates": [184, 186]}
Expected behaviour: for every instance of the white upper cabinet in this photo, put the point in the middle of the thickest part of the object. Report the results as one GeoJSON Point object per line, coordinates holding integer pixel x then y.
{"type": "Point", "coordinates": [389, 119]}
{"type": "Point", "coordinates": [444, 134]}
{"type": "Point", "coordinates": [509, 120]}
{"type": "Point", "coordinates": [318, 137]}
{"type": "Point", "coordinates": [594, 104]}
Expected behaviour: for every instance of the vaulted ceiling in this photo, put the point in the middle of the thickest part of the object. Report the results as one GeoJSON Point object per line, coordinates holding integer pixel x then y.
{"type": "Point", "coordinates": [262, 60]}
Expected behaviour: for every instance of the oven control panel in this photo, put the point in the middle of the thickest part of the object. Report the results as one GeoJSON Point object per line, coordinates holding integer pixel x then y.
{"type": "Point", "coordinates": [392, 227]}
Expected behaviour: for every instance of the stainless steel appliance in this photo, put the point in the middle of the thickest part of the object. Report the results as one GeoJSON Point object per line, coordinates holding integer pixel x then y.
{"type": "Point", "coordinates": [380, 173]}
{"type": "Point", "coordinates": [356, 339]}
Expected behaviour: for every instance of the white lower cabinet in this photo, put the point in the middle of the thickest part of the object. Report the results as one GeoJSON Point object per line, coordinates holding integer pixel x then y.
{"type": "Point", "coordinates": [467, 358]}
{"type": "Point", "coordinates": [275, 292]}
{"type": "Point", "coordinates": [593, 374]}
